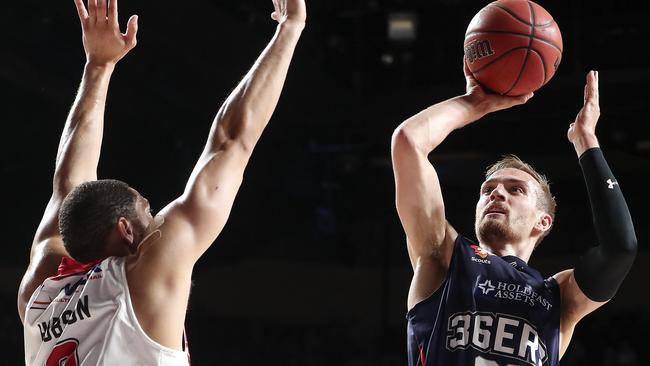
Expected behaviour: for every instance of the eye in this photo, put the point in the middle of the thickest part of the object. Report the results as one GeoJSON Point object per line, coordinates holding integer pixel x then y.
{"type": "Point", "coordinates": [517, 189]}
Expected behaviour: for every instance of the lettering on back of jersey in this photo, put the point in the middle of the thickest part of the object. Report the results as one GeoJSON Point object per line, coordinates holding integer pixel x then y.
{"type": "Point", "coordinates": [498, 334]}
{"type": "Point", "coordinates": [54, 327]}
{"type": "Point", "coordinates": [70, 288]}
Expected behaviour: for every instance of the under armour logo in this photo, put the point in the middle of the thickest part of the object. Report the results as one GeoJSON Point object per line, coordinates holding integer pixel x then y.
{"type": "Point", "coordinates": [486, 287]}
{"type": "Point", "coordinates": [611, 183]}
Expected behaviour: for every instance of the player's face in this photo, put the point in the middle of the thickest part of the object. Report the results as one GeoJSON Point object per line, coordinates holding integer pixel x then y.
{"type": "Point", "coordinates": [144, 218]}
{"type": "Point", "coordinates": [506, 211]}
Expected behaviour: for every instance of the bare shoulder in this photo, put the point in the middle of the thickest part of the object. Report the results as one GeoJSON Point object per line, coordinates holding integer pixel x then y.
{"type": "Point", "coordinates": [159, 281]}
{"type": "Point", "coordinates": [162, 255]}
{"type": "Point", "coordinates": [45, 259]}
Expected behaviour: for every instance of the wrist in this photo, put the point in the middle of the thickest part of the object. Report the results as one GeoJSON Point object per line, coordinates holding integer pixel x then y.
{"type": "Point", "coordinates": [291, 25]}
{"type": "Point", "coordinates": [584, 142]}
{"type": "Point", "coordinates": [100, 66]}
{"type": "Point", "coordinates": [475, 106]}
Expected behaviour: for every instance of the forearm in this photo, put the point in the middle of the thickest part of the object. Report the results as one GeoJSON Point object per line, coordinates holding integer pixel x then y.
{"type": "Point", "coordinates": [248, 109]}
{"type": "Point", "coordinates": [80, 144]}
{"type": "Point", "coordinates": [427, 129]}
{"type": "Point", "coordinates": [602, 269]}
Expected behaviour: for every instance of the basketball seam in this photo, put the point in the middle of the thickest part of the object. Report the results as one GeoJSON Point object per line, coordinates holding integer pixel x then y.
{"type": "Point", "coordinates": [530, 43]}
{"type": "Point", "coordinates": [541, 57]}
{"type": "Point", "coordinates": [516, 34]}
{"type": "Point", "coordinates": [520, 19]}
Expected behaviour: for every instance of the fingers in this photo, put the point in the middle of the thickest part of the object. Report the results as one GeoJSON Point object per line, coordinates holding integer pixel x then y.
{"type": "Point", "coordinates": [595, 86]}
{"type": "Point", "coordinates": [591, 88]}
{"type": "Point", "coordinates": [522, 99]}
{"type": "Point", "coordinates": [101, 9]}
{"type": "Point", "coordinates": [469, 76]}
{"type": "Point", "coordinates": [112, 10]}
{"type": "Point", "coordinates": [466, 67]}
{"type": "Point", "coordinates": [131, 31]}
{"type": "Point", "coordinates": [92, 10]}
{"type": "Point", "coordinates": [81, 10]}
{"type": "Point", "coordinates": [277, 13]}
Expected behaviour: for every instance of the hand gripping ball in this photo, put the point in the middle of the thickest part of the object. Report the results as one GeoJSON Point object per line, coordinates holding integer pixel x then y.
{"type": "Point", "coordinates": [513, 47]}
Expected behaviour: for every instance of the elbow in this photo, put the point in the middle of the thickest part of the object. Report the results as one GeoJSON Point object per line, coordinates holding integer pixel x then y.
{"type": "Point", "coordinates": [626, 243]}
{"type": "Point", "coordinates": [630, 246]}
{"type": "Point", "coordinates": [241, 129]}
{"type": "Point", "coordinates": [403, 139]}
{"type": "Point", "coordinates": [624, 251]}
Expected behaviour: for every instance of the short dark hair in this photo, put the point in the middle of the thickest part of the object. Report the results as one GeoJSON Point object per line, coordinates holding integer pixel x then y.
{"type": "Point", "coordinates": [88, 214]}
{"type": "Point", "coordinates": [545, 200]}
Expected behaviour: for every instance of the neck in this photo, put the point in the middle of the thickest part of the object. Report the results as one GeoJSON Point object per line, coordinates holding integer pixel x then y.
{"type": "Point", "coordinates": [521, 249]}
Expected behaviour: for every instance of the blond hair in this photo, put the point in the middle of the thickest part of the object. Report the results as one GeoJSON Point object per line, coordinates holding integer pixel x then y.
{"type": "Point", "coordinates": [545, 200]}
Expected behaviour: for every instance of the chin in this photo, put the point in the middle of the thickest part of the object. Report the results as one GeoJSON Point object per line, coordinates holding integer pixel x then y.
{"type": "Point", "coordinates": [493, 231]}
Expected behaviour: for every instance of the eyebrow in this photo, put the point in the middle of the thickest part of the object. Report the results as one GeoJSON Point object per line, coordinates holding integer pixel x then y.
{"type": "Point", "coordinates": [506, 180]}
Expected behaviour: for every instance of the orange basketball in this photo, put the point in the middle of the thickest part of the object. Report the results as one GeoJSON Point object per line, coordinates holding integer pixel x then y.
{"type": "Point", "coordinates": [513, 47]}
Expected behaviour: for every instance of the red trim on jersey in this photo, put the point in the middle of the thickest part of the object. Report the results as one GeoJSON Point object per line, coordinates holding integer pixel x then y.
{"type": "Point", "coordinates": [422, 358]}
{"type": "Point", "coordinates": [70, 266]}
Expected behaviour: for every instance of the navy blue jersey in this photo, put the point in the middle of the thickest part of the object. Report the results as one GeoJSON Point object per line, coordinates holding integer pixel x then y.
{"type": "Point", "coordinates": [489, 311]}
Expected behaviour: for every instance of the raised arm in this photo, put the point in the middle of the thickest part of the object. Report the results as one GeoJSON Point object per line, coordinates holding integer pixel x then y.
{"type": "Point", "coordinates": [418, 195]}
{"type": "Point", "coordinates": [598, 274]}
{"type": "Point", "coordinates": [194, 220]}
{"type": "Point", "coordinates": [79, 148]}
{"type": "Point", "coordinates": [161, 270]}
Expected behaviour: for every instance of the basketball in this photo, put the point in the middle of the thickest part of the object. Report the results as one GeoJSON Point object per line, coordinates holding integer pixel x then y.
{"type": "Point", "coordinates": [513, 47]}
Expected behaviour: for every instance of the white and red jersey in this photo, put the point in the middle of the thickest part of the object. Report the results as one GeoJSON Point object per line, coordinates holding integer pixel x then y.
{"type": "Point", "coordinates": [84, 316]}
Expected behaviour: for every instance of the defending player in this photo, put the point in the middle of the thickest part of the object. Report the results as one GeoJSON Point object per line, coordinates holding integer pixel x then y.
{"type": "Point", "coordinates": [123, 301]}
{"type": "Point", "coordinates": [481, 304]}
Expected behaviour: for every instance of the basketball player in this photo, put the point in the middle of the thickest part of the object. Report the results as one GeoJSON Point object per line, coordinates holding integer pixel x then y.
{"type": "Point", "coordinates": [122, 300]}
{"type": "Point", "coordinates": [480, 304]}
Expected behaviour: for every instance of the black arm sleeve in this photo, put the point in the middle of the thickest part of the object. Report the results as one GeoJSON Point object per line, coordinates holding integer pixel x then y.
{"type": "Point", "coordinates": [602, 269]}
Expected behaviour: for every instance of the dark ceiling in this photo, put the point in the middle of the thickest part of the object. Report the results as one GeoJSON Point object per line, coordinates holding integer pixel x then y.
{"type": "Point", "coordinates": [322, 169]}
{"type": "Point", "coordinates": [317, 203]}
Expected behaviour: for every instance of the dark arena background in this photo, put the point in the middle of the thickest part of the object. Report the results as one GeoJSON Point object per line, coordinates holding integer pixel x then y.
{"type": "Point", "coordinates": [312, 267]}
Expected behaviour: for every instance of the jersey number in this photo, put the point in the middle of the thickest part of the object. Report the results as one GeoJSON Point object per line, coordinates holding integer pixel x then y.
{"type": "Point", "coordinates": [64, 353]}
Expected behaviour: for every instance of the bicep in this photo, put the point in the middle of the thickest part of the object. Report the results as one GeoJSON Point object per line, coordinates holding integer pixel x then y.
{"type": "Point", "coordinates": [194, 220]}
{"type": "Point", "coordinates": [418, 196]}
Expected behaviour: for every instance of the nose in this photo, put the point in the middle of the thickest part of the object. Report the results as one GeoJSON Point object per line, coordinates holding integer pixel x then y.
{"type": "Point", "coordinates": [497, 193]}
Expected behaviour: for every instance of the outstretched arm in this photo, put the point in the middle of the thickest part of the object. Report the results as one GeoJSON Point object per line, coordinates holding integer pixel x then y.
{"type": "Point", "coordinates": [162, 268]}
{"type": "Point", "coordinates": [418, 195]}
{"type": "Point", "coordinates": [598, 274]}
{"type": "Point", "coordinates": [79, 148]}
{"type": "Point", "coordinates": [194, 220]}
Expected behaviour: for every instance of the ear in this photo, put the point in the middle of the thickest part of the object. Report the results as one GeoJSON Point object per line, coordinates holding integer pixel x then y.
{"type": "Point", "coordinates": [125, 231]}
{"type": "Point", "coordinates": [544, 222]}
